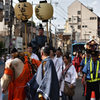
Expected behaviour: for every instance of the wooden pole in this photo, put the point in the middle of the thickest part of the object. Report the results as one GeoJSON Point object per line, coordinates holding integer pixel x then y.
{"type": "Point", "coordinates": [25, 38]}
{"type": "Point", "coordinates": [47, 33]}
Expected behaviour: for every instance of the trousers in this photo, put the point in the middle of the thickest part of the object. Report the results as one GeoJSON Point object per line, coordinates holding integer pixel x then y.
{"type": "Point", "coordinates": [92, 86]}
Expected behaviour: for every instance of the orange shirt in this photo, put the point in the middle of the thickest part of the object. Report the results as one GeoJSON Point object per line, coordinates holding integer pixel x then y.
{"type": "Point", "coordinates": [17, 87]}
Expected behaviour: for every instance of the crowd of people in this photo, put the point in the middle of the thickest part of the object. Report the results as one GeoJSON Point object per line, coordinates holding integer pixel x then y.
{"type": "Point", "coordinates": [56, 75]}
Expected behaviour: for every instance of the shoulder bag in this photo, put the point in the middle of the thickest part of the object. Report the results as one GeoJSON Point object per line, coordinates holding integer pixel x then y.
{"type": "Point", "coordinates": [67, 90]}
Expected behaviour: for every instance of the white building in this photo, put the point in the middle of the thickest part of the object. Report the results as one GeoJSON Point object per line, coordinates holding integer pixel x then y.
{"type": "Point", "coordinates": [82, 21]}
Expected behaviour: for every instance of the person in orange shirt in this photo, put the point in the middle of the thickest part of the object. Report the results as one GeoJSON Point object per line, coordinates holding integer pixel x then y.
{"type": "Point", "coordinates": [20, 72]}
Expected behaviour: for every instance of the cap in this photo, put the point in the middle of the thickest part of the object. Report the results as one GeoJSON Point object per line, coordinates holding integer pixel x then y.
{"type": "Point", "coordinates": [14, 50]}
{"type": "Point", "coordinates": [88, 51]}
{"type": "Point", "coordinates": [41, 27]}
{"type": "Point", "coordinates": [29, 45]}
{"type": "Point", "coordinates": [94, 53]}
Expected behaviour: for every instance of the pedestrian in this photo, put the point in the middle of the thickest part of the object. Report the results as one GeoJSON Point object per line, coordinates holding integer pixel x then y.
{"type": "Point", "coordinates": [39, 41]}
{"type": "Point", "coordinates": [67, 74]}
{"type": "Point", "coordinates": [92, 75]}
{"type": "Point", "coordinates": [59, 56]}
{"type": "Point", "coordinates": [13, 51]}
{"type": "Point", "coordinates": [76, 62]}
{"type": "Point", "coordinates": [84, 62]}
{"type": "Point", "coordinates": [54, 59]}
{"type": "Point", "coordinates": [30, 49]}
{"type": "Point", "coordinates": [44, 84]}
{"type": "Point", "coordinates": [17, 74]}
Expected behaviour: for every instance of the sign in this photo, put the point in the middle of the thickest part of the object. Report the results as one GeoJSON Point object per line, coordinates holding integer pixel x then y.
{"type": "Point", "coordinates": [7, 10]}
{"type": "Point", "coordinates": [19, 43]}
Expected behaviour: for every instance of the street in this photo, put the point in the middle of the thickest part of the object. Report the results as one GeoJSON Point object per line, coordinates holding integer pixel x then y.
{"type": "Point", "coordinates": [78, 89]}
{"type": "Point", "coordinates": [78, 92]}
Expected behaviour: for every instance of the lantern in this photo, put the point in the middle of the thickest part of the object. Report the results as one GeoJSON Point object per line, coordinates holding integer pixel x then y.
{"type": "Point", "coordinates": [23, 11]}
{"type": "Point", "coordinates": [44, 11]}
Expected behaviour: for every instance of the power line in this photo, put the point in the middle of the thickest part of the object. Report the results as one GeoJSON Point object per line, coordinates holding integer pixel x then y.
{"type": "Point", "coordinates": [61, 16]}
{"type": "Point", "coordinates": [60, 10]}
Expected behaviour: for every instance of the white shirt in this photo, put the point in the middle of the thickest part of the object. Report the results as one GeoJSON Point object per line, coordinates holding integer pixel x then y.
{"type": "Point", "coordinates": [70, 77]}
{"type": "Point", "coordinates": [56, 63]}
{"type": "Point", "coordinates": [60, 60]}
{"type": "Point", "coordinates": [34, 56]}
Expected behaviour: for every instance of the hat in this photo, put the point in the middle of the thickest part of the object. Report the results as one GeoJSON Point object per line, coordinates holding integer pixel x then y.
{"type": "Point", "coordinates": [88, 51]}
{"type": "Point", "coordinates": [29, 45]}
{"type": "Point", "coordinates": [14, 50]}
{"type": "Point", "coordinates": [94, 53]}
{"type": "Point", "coordinates": [41, 27]}
{"type": "Point", "coordinates": [58, 49]}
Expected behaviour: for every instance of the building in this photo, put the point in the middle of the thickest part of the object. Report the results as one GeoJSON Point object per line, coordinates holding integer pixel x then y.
{"type": "Point", "coordinates": [82, 22]}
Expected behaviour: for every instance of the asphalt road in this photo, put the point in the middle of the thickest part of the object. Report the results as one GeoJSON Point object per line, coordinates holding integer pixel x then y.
{"type": "Point", "coordinates": [78, 89]}
{"type": "Point", "coordinates": [78, 92]}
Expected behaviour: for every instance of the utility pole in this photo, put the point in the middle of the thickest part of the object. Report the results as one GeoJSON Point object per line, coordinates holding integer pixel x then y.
{"type": "Point", "coordinates": [32, 24]}
{"type": "Point", "coordinates": [72, 30]}
{"type": "Point", "coordinates": [55, 39]}
{"type": "Point", "coordinates": [50, 26]}
{"type": "Point", "coordinates": [10, 36]}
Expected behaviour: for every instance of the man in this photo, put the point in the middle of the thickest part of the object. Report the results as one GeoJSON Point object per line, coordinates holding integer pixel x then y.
{"type": "Point", "coordinates": [85, 59]}
{"type": "Point", "coordinates": [92, 75]}
{"type": "Point", "coordinates": [83, 63]}
{"type": "Point", "coordinates": [59, 56]}
{"type": "Point", "coordinates": [39, 41]}
{"type": "Point", "coordinates": [30, 49]}
{"type": "Point", "coordinates": [13, 51]}
{"type": "Point", "coordinates": [44, 85]}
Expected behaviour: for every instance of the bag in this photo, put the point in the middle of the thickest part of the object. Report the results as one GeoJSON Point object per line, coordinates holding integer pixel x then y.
{"type": "Point", "coordinates": [68, 91]}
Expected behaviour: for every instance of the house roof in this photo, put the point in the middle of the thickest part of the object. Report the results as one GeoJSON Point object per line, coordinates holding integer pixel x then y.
{"type": "Point", "coordinates": [84, 6]}
{"type": "Point", "coordinates": [92, 42]}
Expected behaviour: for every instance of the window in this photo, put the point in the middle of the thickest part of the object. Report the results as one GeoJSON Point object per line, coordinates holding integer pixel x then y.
{"type": "Point", "coordinates": [92, 18]}
{"type": "Point", "coordinates": [69, 19]}
{"type": "Point", "coordinates": [79, 19]}
{"type": "Point", "coordinates": [79, 26]}
{"type": "Point", "coordinates": [79, 12]}
{"type": "Point", "coordinates": [84, 26]}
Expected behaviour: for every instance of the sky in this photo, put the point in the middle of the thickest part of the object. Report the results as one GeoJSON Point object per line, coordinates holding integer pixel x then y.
{"type": "Point", "coordinates": [60, 10]}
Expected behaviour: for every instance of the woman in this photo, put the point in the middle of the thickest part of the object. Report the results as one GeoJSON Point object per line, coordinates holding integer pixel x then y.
{"type": "Point", "coordinates": [67, 73]}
